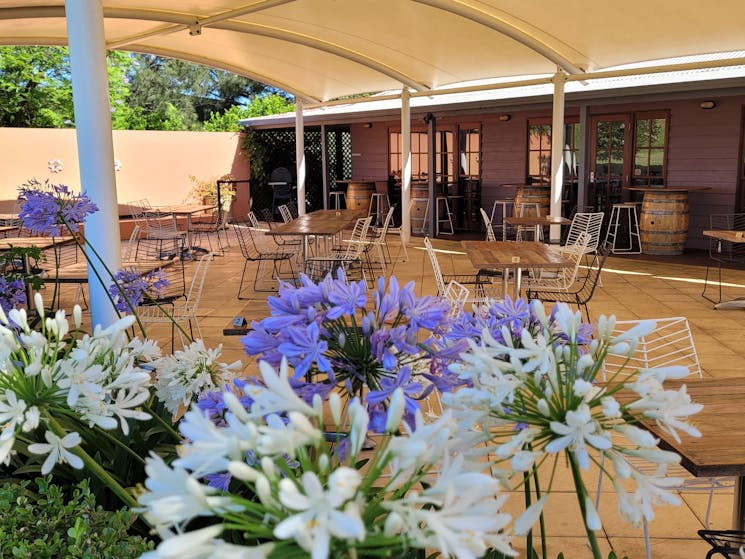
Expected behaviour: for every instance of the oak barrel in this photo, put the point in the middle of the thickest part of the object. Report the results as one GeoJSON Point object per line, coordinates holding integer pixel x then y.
{"type": "Point", "coordinates": [664, 222]}
{"type": "Point", "coordinates": [419, 198]}
{"type": "Point", "coordinates": [359, 193]}
{"type": "Point", "coordinates": [529, 195]}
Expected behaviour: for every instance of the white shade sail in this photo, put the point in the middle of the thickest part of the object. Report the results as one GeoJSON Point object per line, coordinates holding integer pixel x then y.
{"type": "Point", "coordinates": [324, 49]}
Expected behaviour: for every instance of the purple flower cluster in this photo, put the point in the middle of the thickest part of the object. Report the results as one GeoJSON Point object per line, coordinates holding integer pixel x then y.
{"type": "Point", "coordinates": [131, 287]}
{"type": "Point", "coordinates": [515, 315]}
{"type": "Point", "coordinates": [12, 292]}
{"type": "Point", "coordinates": [50, 209]}
{"type": "Point", "coordinates": [326, 328]}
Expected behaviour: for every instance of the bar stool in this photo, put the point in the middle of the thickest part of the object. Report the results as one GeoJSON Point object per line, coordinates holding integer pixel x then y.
{"type": "Point", "coordinates": [522, 229]}
{"type": "Point", "coordinates": [504, 204]}
{"type": "Point", "coordinates": [334, 197]}
{"type": "Point", "coordinates": [631, 221]}
{"type": "Point", "coordinates": [379, 206]}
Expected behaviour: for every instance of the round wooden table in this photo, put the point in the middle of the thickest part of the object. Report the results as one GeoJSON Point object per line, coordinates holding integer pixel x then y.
{"type": "Point", "coordinates": [663, 224]}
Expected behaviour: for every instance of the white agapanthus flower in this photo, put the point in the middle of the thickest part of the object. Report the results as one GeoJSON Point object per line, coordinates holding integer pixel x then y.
{"type": "Point", "coordinates": [540, 388]}
{"type": "Point", "coordinates": [97, 378]}
{"type": "Point", "coordinates": [188, 372]}
{"type": "Point", "coordinates": [309, 493]}
{"type": "Point", "coordinates": [58, 451]}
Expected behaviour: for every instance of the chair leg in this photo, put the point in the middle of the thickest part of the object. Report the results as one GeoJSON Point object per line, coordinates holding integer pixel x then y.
{"type": "Point", "coordinates": [243, 275]}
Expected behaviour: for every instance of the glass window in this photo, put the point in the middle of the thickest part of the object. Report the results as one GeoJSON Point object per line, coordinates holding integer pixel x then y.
{"type": "Point", "coordinates": [539, 151]}
{"type": "Point", "coordinates": [419, 152]}
{"type": "Point", "coordinates": [650, 134]}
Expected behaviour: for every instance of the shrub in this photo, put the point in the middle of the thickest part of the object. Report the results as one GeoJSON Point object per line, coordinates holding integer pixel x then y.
{"type": "Point", "coordinates": [43, 521]}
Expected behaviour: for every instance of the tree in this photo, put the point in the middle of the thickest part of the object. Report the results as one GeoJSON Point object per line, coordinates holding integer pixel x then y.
{"type": "Point", "coordinates": [35, 87]}
{"type": "Point", "coordinates": [147, 92]}
{"type": "Point", "coordinates": [270, 104]}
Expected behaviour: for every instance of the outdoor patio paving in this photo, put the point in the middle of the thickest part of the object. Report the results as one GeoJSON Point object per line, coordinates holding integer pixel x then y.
{"type": "Point", "coordinates": [632, 287]}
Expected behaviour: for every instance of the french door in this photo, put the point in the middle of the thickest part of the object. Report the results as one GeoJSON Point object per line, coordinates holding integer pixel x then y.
{"type": "Point", "coordinates": [611, 142]}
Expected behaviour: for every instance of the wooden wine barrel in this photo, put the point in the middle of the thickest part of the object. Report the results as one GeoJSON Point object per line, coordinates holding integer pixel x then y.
{"type": "Point", "coordinates": [359, 193]}
{"type": "Point", "coordinates": [664, 222]}
{"type": "Point", "coordinates": [419, 198]}
{"type": "Point", "coordinates": [528, 195]}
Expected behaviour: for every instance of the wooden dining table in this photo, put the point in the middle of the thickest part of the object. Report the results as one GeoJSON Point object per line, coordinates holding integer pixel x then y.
{"type": "Point", "coordinates": [515, 256]}
{"type": "Point", "coordinates": [43, 243]}
{"type": "Point", "coordinates": [720, 451]}
{"type": "Point", "coordinates": [188, 211]}
{"type": "Point", "coordinates": [323, 223]}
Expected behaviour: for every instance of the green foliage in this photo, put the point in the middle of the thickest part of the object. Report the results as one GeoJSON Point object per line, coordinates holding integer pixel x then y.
{"type": "Point", "coordinates": [147, 92]}
{"type": "Point", "coordinates": [45, 522]}
{"type": "Point", "coordinates": [35, 87]}
{"type": "Point", "coordinates": [263, 105]}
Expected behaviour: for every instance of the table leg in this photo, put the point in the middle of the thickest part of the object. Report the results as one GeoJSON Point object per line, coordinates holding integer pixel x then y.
{"type": "Point", "coordinates": [738, 505]}
{"type": "Point", "coordinates": [518, 279]}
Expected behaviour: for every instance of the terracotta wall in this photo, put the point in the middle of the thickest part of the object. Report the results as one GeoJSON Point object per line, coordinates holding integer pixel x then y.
{"type": "Point", "coordinates": [154, 165]}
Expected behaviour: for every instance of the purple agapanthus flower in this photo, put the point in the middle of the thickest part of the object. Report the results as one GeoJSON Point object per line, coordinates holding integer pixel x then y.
{"type": "Point", "coordinates": [388, 385]}
{"type": "Point", "coordinates": [50, 209]}
{"type": "Point", "coordinates": [305, 348]}
{"type": "Point", "coordinates": [131, 287]}
{"type": "Point", "coordinates": [12, 293]}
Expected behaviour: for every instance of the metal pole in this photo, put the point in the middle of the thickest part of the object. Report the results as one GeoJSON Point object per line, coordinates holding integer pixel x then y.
{"type": "Point", "coordinates": [406, 165]}
{"type": "Point", "coordinates": [584, 129]}
{"type": "Point", "coordinates": [300, 155]}
{"type": "Point", "coordinates": [557, 152]}
{"type": "Point", "coordinates": [90, 88]}
{"type": "Point", "coordinates": [431, 121]}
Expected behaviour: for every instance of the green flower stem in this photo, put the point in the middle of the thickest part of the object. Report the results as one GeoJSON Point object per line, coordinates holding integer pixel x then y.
{"type": "Point", "coordinates": [579, 486]}
{"type": "Point", "coordinates": [167, 426]}
{"type": "Point", "coordinates": [94, 467]}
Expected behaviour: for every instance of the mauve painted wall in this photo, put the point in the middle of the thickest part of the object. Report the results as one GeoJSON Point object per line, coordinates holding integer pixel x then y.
{"type": "Point", "coordinates": [703, 150]}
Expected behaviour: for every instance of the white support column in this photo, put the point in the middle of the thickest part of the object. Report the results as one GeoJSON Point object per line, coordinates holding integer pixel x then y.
{"type": "Point", "coordinates": [406, 164]}
{"type": "Point", "coordinates": [90, 89]}
{"type": "Point", "coordinates": [557, 151]}
{"type": "Point", "coordinates": [582, 171]}
{"type": "Point", "coordinates": [300, 155]}
{"type": "Point", "coordinates": [324, 168]}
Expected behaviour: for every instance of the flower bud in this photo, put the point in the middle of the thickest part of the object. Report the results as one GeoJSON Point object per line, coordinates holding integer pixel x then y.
{"type": "Point", "coordinates": [39, 303]}
{"type": "Point", "coordinates": [242, 471]}
{"type": "Point", "coordinates": [77, 315]}
{"type": "Point", "coordinates": [395, 410]}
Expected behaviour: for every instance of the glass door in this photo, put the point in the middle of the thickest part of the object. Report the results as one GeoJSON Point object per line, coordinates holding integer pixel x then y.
{"type": "Point", "coordinates": [610, 160]}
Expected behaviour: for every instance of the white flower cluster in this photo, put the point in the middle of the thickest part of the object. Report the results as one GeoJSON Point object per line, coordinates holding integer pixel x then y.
{"type": "Point", "coordinates": [305, 495]}
{"type": "Point", "coordinates": [540, 395]}
{"type": "Point", "coordinates": [97, 378]}
{"type": "Point", "coordinates": [191, 371]}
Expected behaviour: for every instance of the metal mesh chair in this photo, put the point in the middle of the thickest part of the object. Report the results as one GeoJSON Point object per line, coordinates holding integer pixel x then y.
{"type": "Point", "coordinates": [582, 291]}
{"type": "Point", "coordinates": [479, 284]}
{"type": "Point", "coordinates": [489, 227]}
{"type": "Point", "coordinates": [215, 225]}
{"type": "Point", "coordinates": [723, 252]}
{"type": "Point", "coordinates": [180, 310]}
{"type": "Point", "coordinates": [726, 543]}
{"type": "Point", "coordinates": [252, 254]}
{"type": "Point", "coordinates": [348, 258]}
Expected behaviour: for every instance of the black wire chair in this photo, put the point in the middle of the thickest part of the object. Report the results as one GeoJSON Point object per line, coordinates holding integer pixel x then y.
{"type": "Point", "coordinates": [252, 254]}
{"type": "Point", "coordinates": [724, 252]}
{"type": "Point", "coordinates": [726, 543]}
{"type": "Point", "coordinates": [583, 288]}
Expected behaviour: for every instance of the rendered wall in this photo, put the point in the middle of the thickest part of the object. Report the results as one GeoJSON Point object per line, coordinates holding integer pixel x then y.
{"type": "Point", "coordinates": [154, 164]}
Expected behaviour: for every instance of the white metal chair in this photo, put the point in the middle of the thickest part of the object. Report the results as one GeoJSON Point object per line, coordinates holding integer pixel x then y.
{"type": "Point", "coordinates": [481, 285]}
{"type": "Point", "coordinates": [347, 257]}
{"type": "Point", "coordinates": [180, 310]}
{"type": "Point", "coordinates": [670, 343]}
{"type": "Point", "coordinates": [590, 223]}
{"type": "Point", "coordinates": [488, 224]}
{"type": "Point", "coordinates": [563, 279]}
{"type": "Point", "coordinates": [457, 294]}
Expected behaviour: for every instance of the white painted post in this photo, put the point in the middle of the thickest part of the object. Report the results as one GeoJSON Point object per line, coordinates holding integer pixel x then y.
{"type": "Point", "coordinates": [90, 89]}
{"type": "Point", "coordinates": [324, 168]}
{"type": "Point", "coordinates": [300, 155]}
{"type": "Point", "coordinates": [557, 152]}
{"type": "Point", "coordinates": [406, 165]}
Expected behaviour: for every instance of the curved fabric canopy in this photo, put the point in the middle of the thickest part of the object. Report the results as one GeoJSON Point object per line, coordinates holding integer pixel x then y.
{"type": "Point", "coordinates": [325, 49]}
